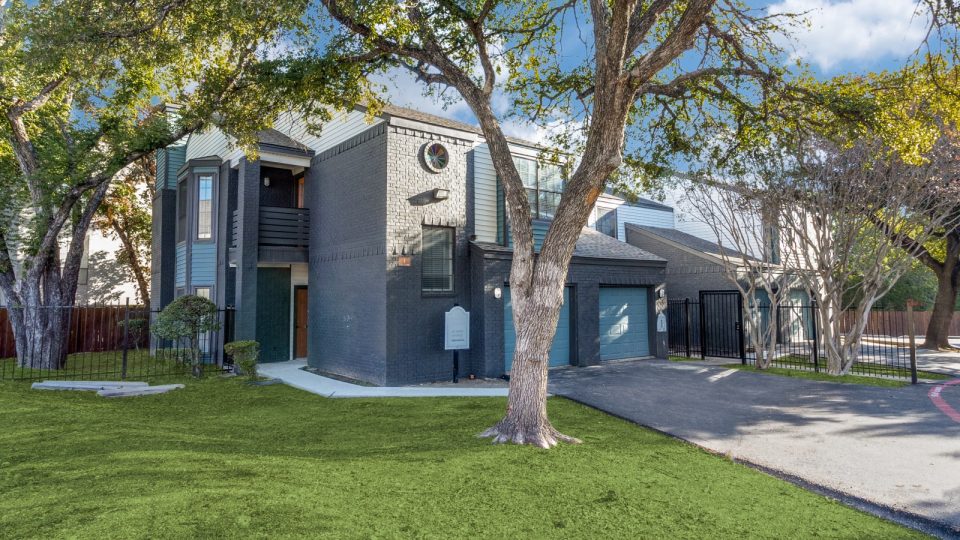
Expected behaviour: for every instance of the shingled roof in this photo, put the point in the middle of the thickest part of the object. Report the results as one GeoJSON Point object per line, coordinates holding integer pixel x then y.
{"type": "Point", "coordinates": [273, 137]}
{"type": "Point", "coordinates": [690, 241]}
{"type": "Point", "coordinates": [427, 118]}
{"type": "Point", "coordinates": [593, 244]}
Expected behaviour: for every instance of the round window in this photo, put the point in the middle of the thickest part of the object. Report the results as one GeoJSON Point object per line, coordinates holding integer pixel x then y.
{"type": "Point", "coordinates": [435, 156]}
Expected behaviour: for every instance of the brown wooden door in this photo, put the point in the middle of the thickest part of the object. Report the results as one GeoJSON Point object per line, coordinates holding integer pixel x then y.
{"type": "Point", "coordinates": [300, 322]}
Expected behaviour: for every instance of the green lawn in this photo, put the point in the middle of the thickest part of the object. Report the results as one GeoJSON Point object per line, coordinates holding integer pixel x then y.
{"type": "Point", "coordinates": [822, 376]}
{"type": "Point", "coordinates": [225, 459]}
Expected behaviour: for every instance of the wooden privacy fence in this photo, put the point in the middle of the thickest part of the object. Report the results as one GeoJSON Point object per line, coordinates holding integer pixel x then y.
{"type": "Point", "coordinates": [894, 323]}
{"type": "Point", "coordinates": [92, 329]}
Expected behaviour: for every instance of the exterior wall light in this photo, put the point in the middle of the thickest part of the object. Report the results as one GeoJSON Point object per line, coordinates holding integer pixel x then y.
{"type": "Point", "coordinates": [497, 293]}
{"type": "Point", "coordinates": [441, 194]}
{"type": "Point", "coordinates": [266, 181]}
{"type": "Point", "coordinates": [403, 259]}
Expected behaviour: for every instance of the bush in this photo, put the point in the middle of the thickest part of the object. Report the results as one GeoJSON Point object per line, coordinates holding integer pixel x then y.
{"type": "Point", "coordinates": [135, 329]}
{"type": "Point", "coordinates": [245, 355]}
{"type": "Point", "coordinates": [187, 317]}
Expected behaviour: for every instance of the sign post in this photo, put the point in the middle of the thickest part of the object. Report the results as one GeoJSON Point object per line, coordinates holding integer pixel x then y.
{"type": "Point", "coordinates": [456, 335]}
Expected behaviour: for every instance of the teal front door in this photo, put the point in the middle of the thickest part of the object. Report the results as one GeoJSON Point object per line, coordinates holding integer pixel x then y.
{"type": "Point", "coordinates": [273, 314]}
{"type": "Point", "coordinates": [624, 323]}
{"type": "Point", "coordinates": [559, 352]}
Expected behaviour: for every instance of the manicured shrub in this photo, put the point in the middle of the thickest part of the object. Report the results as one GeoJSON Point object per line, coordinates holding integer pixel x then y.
{"type": "Point", "coordinates": [187, 318]}
{"type": "Point", "coordinates": [245, 355]}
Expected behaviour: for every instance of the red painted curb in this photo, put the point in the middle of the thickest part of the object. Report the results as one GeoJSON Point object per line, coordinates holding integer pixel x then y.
{"type": "Point", "coordinates": [939, 402]}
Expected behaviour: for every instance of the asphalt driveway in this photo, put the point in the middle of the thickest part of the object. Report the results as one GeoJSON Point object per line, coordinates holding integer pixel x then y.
{"type": "Point", "coordinates": [889, 447]}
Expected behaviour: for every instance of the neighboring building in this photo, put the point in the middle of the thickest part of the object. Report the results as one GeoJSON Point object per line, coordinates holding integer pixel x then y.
{"type": "Point", "coordinates": [102, 279]}
{"type": "Point", "coordinates": [694, 264]}
{"type": "Point", "coordinates": [347, 248]}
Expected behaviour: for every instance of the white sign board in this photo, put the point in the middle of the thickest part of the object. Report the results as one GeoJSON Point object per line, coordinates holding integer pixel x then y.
{"type": "Point", "coordinates": [661, 323]}
{"type": "Point", "coordinates": [456, 334]}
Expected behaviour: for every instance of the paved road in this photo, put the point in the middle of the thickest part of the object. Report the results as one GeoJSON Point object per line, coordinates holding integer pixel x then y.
{"type": "Point", "coordinates": [888, 446]}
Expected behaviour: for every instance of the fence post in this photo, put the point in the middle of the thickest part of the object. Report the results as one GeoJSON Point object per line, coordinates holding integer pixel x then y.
{"type": "Point", "coordinates": [126, 334]}
{"type": "Point", "coordinates": [814, 314]}
{"type": "Point", "coordinates": [913, 340]}
{"type": "Point", "coordinates": [703, 329]}
{"type": "Point", "coordinates": [740, 339]}
{"type": "Point", "coordinates": [686, 325]}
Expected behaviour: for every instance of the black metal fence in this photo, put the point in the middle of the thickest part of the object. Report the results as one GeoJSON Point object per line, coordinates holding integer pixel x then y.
{"type": "Point", "coordinates": [113, 343]}
{"type": "Point", "coordinates": [697, 331]}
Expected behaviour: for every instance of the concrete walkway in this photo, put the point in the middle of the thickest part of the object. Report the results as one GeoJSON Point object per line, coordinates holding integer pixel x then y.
{"type": "Point", "coordinates": [292, 373]}
{"type": "Point", "coordinates": [891, 448]}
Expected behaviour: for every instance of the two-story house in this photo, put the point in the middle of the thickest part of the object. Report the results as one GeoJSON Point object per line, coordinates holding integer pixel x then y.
{"type": "Point", "coordinates": [346, 248]}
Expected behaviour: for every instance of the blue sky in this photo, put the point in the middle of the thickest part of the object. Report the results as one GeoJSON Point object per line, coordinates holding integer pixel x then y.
{"type": "Point", "coordinates": [840, 36]}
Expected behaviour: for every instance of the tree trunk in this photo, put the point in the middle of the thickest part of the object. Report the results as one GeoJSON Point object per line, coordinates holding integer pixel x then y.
{"type": "Point", "coordinates": [38, 329]}
{"type": "Point", "coordinates": [948, 286]}
{"type": "Point", "coordinates": [535, 317]}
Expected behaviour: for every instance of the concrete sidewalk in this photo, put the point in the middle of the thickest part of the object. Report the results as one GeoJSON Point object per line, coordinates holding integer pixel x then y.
{"type": "Point", "coordinates": [292, 373]}
{"type": "Point", "coordinates": [889, 447]}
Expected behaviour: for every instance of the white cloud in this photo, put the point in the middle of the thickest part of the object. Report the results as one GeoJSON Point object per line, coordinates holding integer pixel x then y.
{"type": "Point", "coordinates": [864, 31]}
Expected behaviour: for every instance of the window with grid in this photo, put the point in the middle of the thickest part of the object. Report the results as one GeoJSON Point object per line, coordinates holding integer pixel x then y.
{"type": "Point", "coordinates": [544, 185]}
{"type": "Point", "coordinates": [773, 244]}
{"type": "Point", "coordinates": [438, 244]}
{"type": "Point", "coordinates": [204, 207]}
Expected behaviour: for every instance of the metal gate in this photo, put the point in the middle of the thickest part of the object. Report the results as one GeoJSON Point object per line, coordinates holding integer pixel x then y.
{"type": "Point", "coordinates": [721, 324]}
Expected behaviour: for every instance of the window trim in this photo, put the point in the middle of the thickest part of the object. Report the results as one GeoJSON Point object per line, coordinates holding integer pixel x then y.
{"type": "Point", "coordinates": [196, 288]}
{"type": "Point", "coordinates": [452, 231]}
{"type": "Point", "coordinates": [195, 213]}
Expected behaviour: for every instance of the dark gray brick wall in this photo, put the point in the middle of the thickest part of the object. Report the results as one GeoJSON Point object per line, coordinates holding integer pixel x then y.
{"type": "Point", "coordinates": [492, 270]}
{"type": "Point", "coordinates": [415, 320]}
{"type": "Point", "coordinates": [346, 194]}
{"type": "Point", "coordinates": [163, 251]}
{"type": "Point", "coordinates": [687, 274]}
{"type": "Point", "coordinates": [248, 205]}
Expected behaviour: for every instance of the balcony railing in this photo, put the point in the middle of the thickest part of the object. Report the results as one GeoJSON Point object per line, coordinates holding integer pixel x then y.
{"type": "Point", "coordinates": [279, 227]}
{"type": "Point", "coordinates": [288, 227]}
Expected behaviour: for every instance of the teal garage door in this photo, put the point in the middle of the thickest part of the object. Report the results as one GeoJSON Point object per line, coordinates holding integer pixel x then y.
{"type": "Point", "coordinates": [559, 352]}
{"type": "Point", "coordinates": [624, 325]}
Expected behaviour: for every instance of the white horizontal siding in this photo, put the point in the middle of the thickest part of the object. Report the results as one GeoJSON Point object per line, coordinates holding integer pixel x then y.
{"type": "Point", "coordinates": [209, 142]}
{"type": "Point", "coordinates": [689, 219]}
{"type": "Point", "coordinates": [341, 127]}
{"type": "Point", "coordinates": [638, 215]}
{"type": "Point", "coordinates": [485, 189]}
{"type": "Point", "coordinates": [484, 195]}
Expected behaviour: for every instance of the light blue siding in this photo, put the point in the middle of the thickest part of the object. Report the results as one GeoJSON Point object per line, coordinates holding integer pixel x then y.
{"type": "Point", "coordinates": [624, 322]}
{"type": "Point", "coordinates": [173, 157]}
{"type": "Point", "coordinates": [180, 279]}
{"type": "Point", "coordinates": [540, 229]}
{"type": "Point", "coordinates": [203, 271]}
{"type": "Point", "coordinates": [160, 158]}
{"type": "Point", "coordinates": [559, 352]}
